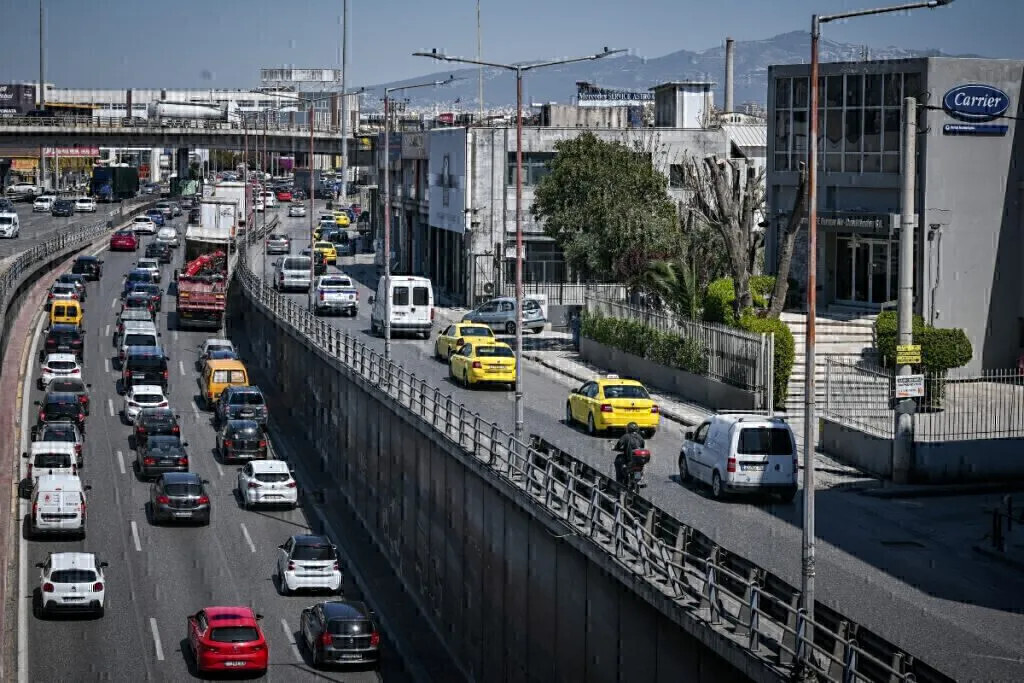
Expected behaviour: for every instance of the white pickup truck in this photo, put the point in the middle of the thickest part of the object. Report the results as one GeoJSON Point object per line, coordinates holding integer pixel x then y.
{"type": "Point", "coordinates": [335, 294]}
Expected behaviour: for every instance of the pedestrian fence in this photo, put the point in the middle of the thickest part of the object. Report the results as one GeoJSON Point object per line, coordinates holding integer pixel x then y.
{"type": "Point", "coordinates": [955, 406]}
{"type": "Point", "coordinates": [742, 602]}
{"type": "Point", "coordinates": [568, 293]}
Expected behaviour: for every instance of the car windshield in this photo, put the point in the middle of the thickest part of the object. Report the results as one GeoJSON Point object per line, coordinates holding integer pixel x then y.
{"type": "Point", "coordinates": [148, 398]}
{"type": "Point", "coordinates": [223, 354]}
{"type": "Point", "coordinates": [247, 398]}
{"type": "Point", "coordinates": [137, 276]}
{"type": "Point", "coordinates": [349, 627]}
{"type": "Point", "coordinates": [624, 391]}
{"type": "Point", "coordinates": [148, 289]}
{"type": "Point", "coordinates": [148, 362]}
{"type": "Point", "coordinates": [61, 365]}
{"type": "Point", "coordinates": [64, 434]}
{"type": "Point", "coordinates": [765, 441]}
{"type": "Point", "coordinates": [6, 220]}
{"type": "Point", "coordinates": [44, 460]}
{"type": "Point", "coordinates": [272, 477]}
{"type": "Point", "coordinates": [184, 489]}
{"type": "Point", "coordinates": [476, 331]}
{"type": "Point", "coordinates": [136, 302]}
{"type": "Point", "coordinates": [71, 385]}
{"type": "Point", "coordinates": [296, 264]}
{"type": "Point", "coordinates": [148, 265]}
{"type": "Point", "coordinates": [234, 634]}
{"type": "Point", "coordinates": [335, 282]}
{"type": "Point", "coordinates": [313, 553]}
{"type": "Point", "coordinates": [494, 352]}
{"type": "Point", "coordinates": [278, 238]}
{"type": "Point", "coordinates": [72, 576]}
{"type": "Point", "coordinates": [138, 340]}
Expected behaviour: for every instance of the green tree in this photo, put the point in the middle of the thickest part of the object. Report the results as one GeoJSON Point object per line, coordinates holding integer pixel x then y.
{"type": "Point", "coordinates": [607, 208]}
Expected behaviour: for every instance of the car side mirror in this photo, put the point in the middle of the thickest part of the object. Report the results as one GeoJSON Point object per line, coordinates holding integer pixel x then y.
{"type": "Point", "coordinates": [104, 565]}
{"type": "Point", "coordinates": [40, 564]}
{"type": "Point", "coordinates": [160, 334]}
{"type": "Point", "coordinates": [259, 616]}
{"type": "Point", "coordinates": [688, 436]}
{"type": "Point", "coordinates": [205, 481]}
{"type": "Point", "coordinates": [37, 403]}
{"type": "Point", "coordinates": [185, 444]}
{"type": "Point", "coordinates": [88, 386]}
{"type": "Point", "coordinates": [24, 455]}
{"type": "Point", "coordinates": [177, 417]}
{"type": "Point", "coordinates": [87, 487]}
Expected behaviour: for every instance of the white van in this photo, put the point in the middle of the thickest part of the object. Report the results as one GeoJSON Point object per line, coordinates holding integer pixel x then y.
{"type": "Point", "coordinates": [50, 457]}
{"type": "Point", "coordinates": [412, 305]}
{"type": "Point", "coordinates": [137, 333]}
{"type": "Point", "coordinates": [741, 454]}
{"type": "Point", "coordinates": [58, 506]}
{"type": "Point", "coordinates": [10, 224]}
{"type": "Point", "coordinates": [269, 200]}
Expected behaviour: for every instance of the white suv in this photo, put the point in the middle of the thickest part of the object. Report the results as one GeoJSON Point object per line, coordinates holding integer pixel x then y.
{"type": "Point", "coordinates": [85, 205]}
{"type": "Point", "coordinates": [50, 457]}
{"type": "Point", "coordinates": [143, 396]}
{"type": "Point", "coordinates": [143, 224]}
{"type": "Point", "coordinates": [62, 365]}
{"type": "Point", "coordinates": [308, 563]}
{"type": "Point", "coordinates": [44, 203]}
{"type": "Point", "coordinates": [72, 582]}
{"type": "Point", "coordinates": [267, 482]}
{"type": "Point", "coordinates": [10, 224]}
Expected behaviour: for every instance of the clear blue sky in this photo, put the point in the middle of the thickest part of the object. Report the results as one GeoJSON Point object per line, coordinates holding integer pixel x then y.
{"type": "Point", "coordinates": [223, 43]}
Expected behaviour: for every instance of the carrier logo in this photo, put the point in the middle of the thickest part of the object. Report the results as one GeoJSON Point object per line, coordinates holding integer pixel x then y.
{"type": "Point", "coordinates": [976, 102]}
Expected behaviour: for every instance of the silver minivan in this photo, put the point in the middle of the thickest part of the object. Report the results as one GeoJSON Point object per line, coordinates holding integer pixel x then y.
{"type": "Point", "coordinates": [293, 272]}
{"type": "Point", "coordinates": [737, 453]}
{"type": "Point", "coordinates": [500, 315]}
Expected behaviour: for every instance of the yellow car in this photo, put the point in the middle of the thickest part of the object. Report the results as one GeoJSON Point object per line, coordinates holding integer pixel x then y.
{"type": "Point", "coordinates": [341, 218]}
{"type": "Point", "coordinates": [451, 339]}
{"type": "Point", "coordinates": [328, 250]}
{"type": "Point", "coordinates": [483, 362]}
{"type": "Point", "coordinates": [612, 403]}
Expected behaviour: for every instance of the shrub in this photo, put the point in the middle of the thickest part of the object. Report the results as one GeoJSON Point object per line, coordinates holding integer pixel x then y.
{"type": "Point", "coordinates": [721, 295]}
{"type": "Point", "coordinates": [941, 348]}
{"type": "Point", "coordinates": [646, 342]}
{"type": "Point", "coordinates": [785, 351]}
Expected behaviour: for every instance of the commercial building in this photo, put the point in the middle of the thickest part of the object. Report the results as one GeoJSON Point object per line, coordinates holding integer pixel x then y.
{"type": "Point", "coordinates": [968, 244]}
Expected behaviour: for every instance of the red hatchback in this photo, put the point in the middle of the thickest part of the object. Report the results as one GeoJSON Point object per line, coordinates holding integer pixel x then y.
{"type": "Point", "coordinates": [124, 240]}
{"type": "Point", "coordinates": [227, 639]}
{"type": "Point", "coordinates": [284, 196]}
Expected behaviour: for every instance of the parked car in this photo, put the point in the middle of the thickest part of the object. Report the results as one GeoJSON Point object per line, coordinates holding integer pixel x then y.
{"type": "Point", "coordinates": [500, 315]}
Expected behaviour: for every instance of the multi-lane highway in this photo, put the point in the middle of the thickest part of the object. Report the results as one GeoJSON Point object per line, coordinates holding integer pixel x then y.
{"type": "Point", "coordinates": [894, 566]}
{"type": "Point", "coordinates": [41, 226]}
{"type": "Point", "coordinates": [159, 575]}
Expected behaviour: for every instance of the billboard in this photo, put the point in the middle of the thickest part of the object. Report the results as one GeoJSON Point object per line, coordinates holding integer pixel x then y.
{"type": "Point", "coordinates": [589, 95]}
{"type": "Point", "coordinates": [71, 151]}
{"type": "Point", "coordinates": [448, 181]}
{"type": "Point", "coordinates": [17, 99]}
{"type": "Point", "coordinates": [414, 146]}
{"type": "Point", "coordinates": [286, 75]}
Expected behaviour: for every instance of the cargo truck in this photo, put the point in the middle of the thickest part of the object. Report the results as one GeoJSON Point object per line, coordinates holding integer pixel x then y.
{"type": "Point", "coordinates": [114, 183]}
{"type": "Point", "coordinates": [202, 286]}
{"type": "Point", "coordinates": [241, 194]}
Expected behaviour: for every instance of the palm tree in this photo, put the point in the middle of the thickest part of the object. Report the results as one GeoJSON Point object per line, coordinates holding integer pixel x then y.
{"type": "Point", "coordinates": [675, 283]}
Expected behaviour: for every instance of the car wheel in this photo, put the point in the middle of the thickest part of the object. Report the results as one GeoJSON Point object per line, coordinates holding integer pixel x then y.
{"type": "Point", "coordinates": [649, 433]}
{"type": "Point", "coordinates": [510, 327]}
{"type": "Point", "coordinates": [684, 470]}
{"type": "Point", "coordinates": [282, 587]}
{"type": "Point", "coordinates": [568, 414]}
{"type": "Point", "coordinates": [100, 612]}
{"type": "Point", "coordinates": [465, 379]}
{"type": "Point", "coordinates": [716, 486]}
{"type": "Point", "coordinates": [591, 427]}
{"type": "Point", "coordinates": [318, 659]}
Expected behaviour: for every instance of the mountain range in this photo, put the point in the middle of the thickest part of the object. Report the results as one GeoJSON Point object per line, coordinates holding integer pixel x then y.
{"type": "Point", "coordinates": [629, 72]}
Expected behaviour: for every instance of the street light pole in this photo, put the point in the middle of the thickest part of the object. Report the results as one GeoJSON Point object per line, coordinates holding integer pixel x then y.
{"type": "Point", "coordinates": [344, 104]}
{"type": "Point", "coordinates": [41, 179]}
{"type": "Point", "coordinates": [519, 69]}
{"type": "Point", "coordinates": [312, 195]}
{"type": "Point", "coordinates": [903, 435]}
{"type": "Point", "coordinates": [264, 199]}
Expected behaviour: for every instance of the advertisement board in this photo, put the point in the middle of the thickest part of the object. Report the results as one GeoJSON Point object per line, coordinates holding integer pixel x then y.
{"type": "Point", "coordinates": [17, 99]}
{"type": "Point", "coordinates": [71, 151]}
{"type": "Point", "coordinates": [414, 146]}
{"type": "Point", "coordinates": [447, 176]}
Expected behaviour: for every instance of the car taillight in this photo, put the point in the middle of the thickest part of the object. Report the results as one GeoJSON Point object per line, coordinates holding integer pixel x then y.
{"type": "Point", "coordinates": [263, 444]}
{"type": "Point", "coordinates": [432, 314]}
{"type": "Point", "coordinates": [730, 465]}
{"type": "Point", "coordinates": [325, 639]}
{"type": "Point", "coordinates": [654, 409]}
{"type": "Point", "coordinates": [42, 416]}
{"type": "Point", "coordinates": [182, 461]}
{"type": "Point", "coordinates": [163, 404]}
{"type": "Point", "coordinates": [292, 484]}
{"type": "Point", "coordinates": [175, 429]}
{"type": "Point", "coordinates": [51, 295]}
{"type": "Point", "coordinates": [166, 375]}
{"type": "Point", "coordinates": [336, 567]}
{"type": "Point", "coordinates": [83, 399]}
{"type": "Point", "coordinates": [140, 429]}
{"type": "Point", "coordinates": [81, 416]}
{"type": "Point", "coordinates": [97, 587]}
{"type": "Point", "coordinates": [606, 407]}
{"type": "Point", "coordinates": [291, 566]}
{"type": "Point", "coordinates": [254, 484]}
{"type": "Point", "coordinates": [228, 443]}
{"type": "Point", "coordinates": [75, 297]}
{"type": "Point", "coordinates": [48, 587]}
{"type": "Point", "coordinates": [30, 470]}
{"type": "Point", "coordinates": [35, 509]}
{"type": "Point", "coordinates": [204, 500]}
{"type": "Point", "coordinates": [78, 449]}
{"type": "Point", "coordinates": [321, 296]}
{"type": "Point", "coordinates": [477, 365]}
{"type": "Point", "coordinates": [163, 500]}
{"type": "Point", "coordinates": [149, 461]}
{"type": "Point", "coordinates": [374, 639]}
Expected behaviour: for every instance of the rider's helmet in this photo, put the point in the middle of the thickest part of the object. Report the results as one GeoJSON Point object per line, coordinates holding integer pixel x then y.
{"type": "Point", "coordinates": [632, 428]}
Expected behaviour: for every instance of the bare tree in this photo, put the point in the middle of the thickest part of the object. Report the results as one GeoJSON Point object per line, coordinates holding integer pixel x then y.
{"type": "Point", "coordinates": [729, 195]}
{"type": "Point", "coordinates": [787, 243]}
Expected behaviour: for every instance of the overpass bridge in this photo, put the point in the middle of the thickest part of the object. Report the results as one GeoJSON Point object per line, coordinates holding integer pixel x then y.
{"type": "Point", "coordinates": [284, 138]}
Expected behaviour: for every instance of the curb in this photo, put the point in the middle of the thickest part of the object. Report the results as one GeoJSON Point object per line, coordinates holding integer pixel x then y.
{"type": "Point", "coordinates": [999, 557]}
{"type": "Point", "coordinates": [943, 490]}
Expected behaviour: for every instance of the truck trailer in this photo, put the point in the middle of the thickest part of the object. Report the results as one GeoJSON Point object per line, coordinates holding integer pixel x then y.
{"type": "Point", "coordinates": [202, 286]}
{"type": "Point", "coordinates": [114, 183]}
{"type": "Point", "coordinates": [241, 194]}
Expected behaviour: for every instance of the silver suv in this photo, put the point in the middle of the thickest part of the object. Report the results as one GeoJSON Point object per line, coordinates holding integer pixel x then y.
{"type": "Point", "coordinates": [500, 315]}
{"type": "Point", "coordinates": [293, 272]}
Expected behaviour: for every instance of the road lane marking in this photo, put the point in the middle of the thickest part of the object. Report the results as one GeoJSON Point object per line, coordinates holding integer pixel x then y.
{"type": "Point", "coordinates": [195, 409]}
{"type": "Point", "coordinates": [291, 641]}
{"type": "Point", "coordinates": [120, 462]}
{"type": "Point", "coordinates": [106, 365]}
{"type": "Point", "coordinates": [110, 406]}
{"type": "Point", "coordinates": [113, 304]}
{"type": "Point", "coordinates": [156, 638]}
{"type": "Point", "coordinates": [175, 335]}
{"type": "Point", "coordinates": [135, 537]}
{"type": "Point", "coordinates": [107, 331]}
{"type": "Point", "coordinates": [181, 367]}
{"type": "Point", "coordinates": [248, 538]}
{"type": "Point", "coordinates": [219, 470]}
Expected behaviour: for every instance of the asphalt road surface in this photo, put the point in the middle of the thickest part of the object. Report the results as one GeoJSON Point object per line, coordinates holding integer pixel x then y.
{"type": "Point", "coordinates": [160, 575]}
{"type": "Point", "coordinates": [904, 569]}
{"type": "Point", "coordinates": [39, 227]}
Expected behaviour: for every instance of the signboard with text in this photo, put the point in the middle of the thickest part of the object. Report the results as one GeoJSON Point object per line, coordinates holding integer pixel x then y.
{"type": "Point", "coordinates": [71, 151]}
{"type": "Point", "coordinates": [909, 386]}
{"type": "Point", "coordinates": [908, 354]}
{"type": "Point", "coordinates": [974, 105]}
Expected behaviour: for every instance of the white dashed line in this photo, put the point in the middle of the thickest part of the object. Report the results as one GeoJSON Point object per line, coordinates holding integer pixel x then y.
{"type": "Point", "coordinates": [107, 331]}
{"type": "Point", "coordinates": [135, 537]}
{"type": "Point", "coordinates": [181, 367]}
{"type": "Point", "coordinates": [220, 471]}
{"type": "Point", "coordinates": [113, 304]}
{"type": "Point", "coordinates": [291, 640]}
{"type": "Point", "coordinates": [175, 335]}
{"type": "Point", "coordinates": [195, 410]}
{"type": "Point", "coordinates": [120, 462]}
{"type": "Point", "coordinates": [156, 639]}
{"type": "Point", "coordinates": [106, 365]}
{"type": "Point", "coordinates": [110, 406]}
{"type": "Point", "coordinates": [248, 538]}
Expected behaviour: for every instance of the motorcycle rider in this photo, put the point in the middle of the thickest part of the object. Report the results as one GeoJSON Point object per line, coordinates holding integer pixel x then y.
{"type": "Point", "coordinates": [627, 443]}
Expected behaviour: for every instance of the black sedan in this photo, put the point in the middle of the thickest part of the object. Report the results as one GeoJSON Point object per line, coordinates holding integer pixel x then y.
{"type": "Point", "coordinates": [179, 497]}
{"type": "Point", "coordinates": [154, 422]}
{"type": "Point", "coordinates": [160, 454]}
{"type": "Point", "coordinates": [72, 385]}
{"type": "Point", "coordinates": [340, 632]}
{"type": "Point", "coordinates": [89, 266]}
{"type": "Point", "coordinates": [63, 208]}
{"type": "Point", "coordinates": [241, 440]}
{"type": "Point", "coordinates": [159, 250]}
{"type": "Point", "coordinates": [59, 407]}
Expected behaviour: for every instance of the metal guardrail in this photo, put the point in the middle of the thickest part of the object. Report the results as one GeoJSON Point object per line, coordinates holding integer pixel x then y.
{"type": "Point", "coordinates": [153, 124]}
{"type": "Point", "coordinates": [726, 592]}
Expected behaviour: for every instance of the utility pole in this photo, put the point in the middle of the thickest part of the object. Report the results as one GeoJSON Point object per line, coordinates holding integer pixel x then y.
{"type": "Point", "coordinates": [42, 98]}
{"type": "Point", "coordinates": [344, 104]}
{"type": "Point", "coordinates": [479, 56]}
{"type": "Point", "coordinates": [904, 433]}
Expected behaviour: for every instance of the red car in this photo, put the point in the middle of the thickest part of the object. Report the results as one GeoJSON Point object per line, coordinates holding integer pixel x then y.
{"type": "Point", "coordinates": [284, 196]}
{"type": "Point", "coordinates": [227, 639]}
{"type": "Point", "coordinates": [124, 240]}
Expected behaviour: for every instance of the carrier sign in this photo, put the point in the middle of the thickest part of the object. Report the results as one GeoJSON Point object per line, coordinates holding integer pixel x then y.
{"type": "Point", "coordinates": [976, 102]}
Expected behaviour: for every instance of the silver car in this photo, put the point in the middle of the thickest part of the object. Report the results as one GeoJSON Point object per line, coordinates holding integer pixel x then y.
{"type": "Point", "coordinates": [500, 315]}
{"type": "Point", "coordinates": [279, 244]}
{"type": "Point", "coordinates": [293, 272]}
{"type": "Point", "coordinates": [168, 236]}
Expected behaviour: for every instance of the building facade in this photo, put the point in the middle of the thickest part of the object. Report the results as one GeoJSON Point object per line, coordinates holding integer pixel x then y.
{"type": "Point", "coordinates": [969, 190]}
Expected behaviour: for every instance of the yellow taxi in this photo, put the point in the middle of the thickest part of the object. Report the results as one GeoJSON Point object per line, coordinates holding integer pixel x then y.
{"type": "Point", "coordinates": [483, 361]}
{"type": "Point", "coordinates": [612, 402]}
{"type": "Point", "coordinates": [450, 339]}
{"type": "Point", "coordinates": [341, 218]}
{"type": "Point", "coordinates": [328, 250]}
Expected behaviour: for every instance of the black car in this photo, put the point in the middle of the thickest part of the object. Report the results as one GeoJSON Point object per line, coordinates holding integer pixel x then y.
{"type": "Point", "coordinates": [63, 208]}
{"type": "Point", "coordinates": [58, 407]}
{"type": "Point", "coordinates": [159, 454]}
{"type": "Point", "coordinates": [319, 262]}
{"type": "Point", "coordinates": [241, 440]}
{"type": "Point", "coordinates": [241, 403]}
{"type": "Point", "coordinates": [154, 422]}
{"type": "Point", "coordinates": [63, 432]}
{"type": "Point", "coordinates": [145, 365]}
{"type": "Point", "coordinates": [76, 280]}
{"type": "Point", "coordinates": [340, 632]}
{"type": "Point", "coordinates": [89, 266]}
{"type": "Point", "coordinates": [159, 250]}
{"type": "Point", "coordinates": [139, 301]}
{"type": "Point", "coordinates": [135, 277]}
{"type": "Point", "coordinates": [153, 291]}
{"type": "Point", "coordinates": [72, 385]}
{"type": "Point", "coordinates": [179, 497]}
{"type": "Point", "coordinates": [64, 338]}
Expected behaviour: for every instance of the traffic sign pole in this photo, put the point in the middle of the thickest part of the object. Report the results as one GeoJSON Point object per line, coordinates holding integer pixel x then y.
{"type": "Point", "coordinates": [903, 434]}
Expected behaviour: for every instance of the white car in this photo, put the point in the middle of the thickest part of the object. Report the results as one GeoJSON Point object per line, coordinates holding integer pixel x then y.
{"type": "Point", "coordinates": [308, 563]}
{"type": "Point", "coordinates": [258, 204]}
{"type": "Point", "coordinates": [168, 236]}
{"type": "Point", "coordinates": [22, 190]}
{"type": "Point", "coordinates": [85, 205]}
{"type": "Point", "coordinates": [50, 457]}
{"type": "Point", "coordinates": [267, 482]}
{"type": "Point", "coordinates": [62, 432]}
{"type": "Point", "coordinates": [44, 203]}
{"type": "Point", "coordinates": [143, 396]}
{"type": "Point", "coordinates": [61, 365]}
{"type": "Point", "coordinates": [142, 224]}
{"type": "Point", "coordinates": [296, 211]}
{"type": "Point", "coordinates": [10, 224]}
{"type": "Point", "coordinates": [212, 345]}
{"type": "Point", "coordinates": [73, 582]}
{"type": "Point", "coordinates": [150, 265]}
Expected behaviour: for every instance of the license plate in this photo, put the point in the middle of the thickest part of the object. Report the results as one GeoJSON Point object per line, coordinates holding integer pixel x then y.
{"type": "Point", "coordinates": [234, 663]}
{"type": "Point", "coordinates": [753, 468]}
{"type": "Point", "coordinates": [182, 514]}
{"type": "Point", "coordinates": [352, 655]}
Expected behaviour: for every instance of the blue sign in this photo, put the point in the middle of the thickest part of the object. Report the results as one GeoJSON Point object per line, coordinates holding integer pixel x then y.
{"type": "Point", "coordinates": [991, 130]}
{"type": "Point", "coordinates": [975, 102]}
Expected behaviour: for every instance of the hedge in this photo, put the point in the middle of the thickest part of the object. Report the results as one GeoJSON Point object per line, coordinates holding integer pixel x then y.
{"type": "Point", "coordinates": [721, 294]}
{"type": "Point", "coordinates": [941, 348]}
{"type": "Point", "coordinates": [785, 351]}
{"type": "Point", "coordinates": [640, 340]}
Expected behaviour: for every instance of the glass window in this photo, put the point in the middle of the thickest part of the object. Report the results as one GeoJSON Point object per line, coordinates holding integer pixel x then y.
{"type": "Point", "coordinates": [782, 162]}
{"type": "Point", "coordinates": [854, 90]}
{"type": "Point", "coordinates": [783, 88]}
{"type": "Point", "coordinates": [892, 137]}
{"type": "Point", "coordinates": [272, 477]}
{"type": "Point", "coordinates": [872, 163]}
{"type": "Point", "coordinates": [892, 90]}
{"type": "Point", "coordinates": [675, 175]}
{"type": "Point", "coordinates": [912, 85]}
{"type": "Point", "coordinates": [45, 460]}
{"type": "Point", "coordinates": [852, 163]}
{"type": "Point", "coordinates": [765, 441]}
{"type": "Point", "coordinates": [234, 634]}
{"type": "Point", "coordinates": [782, 131]}
{"type": "Point", "coordinates": [873, 130]}
{"type": "Point", "coordinates": [183, 489]}
{"type": "Point", "coordinates": [833, 163]}
{"type": "Point", "coordinates": [800, 93]}
{"type": "Point", "coordinates": [891, 163]}
{"type": "Point", "coordinates": [238, 377]}
{"type": "Point", "coordinates": [400, 296]}
{"type": "Point", "coordinates": [420, 296]}
{"type": "Point", "coordinates": [625, 391]}
{"type": "Point", "coordinates": [799, 133]}
{"type": "Point", "coordinates": [833, 125]}
{"type": "Point", "coordinates": [313, 553]}
{"type": "Point", "coordinates": [73, 576]}
{"type": "Point", "coordinates": [353, 627]}
{"type": "Point", "coordinates": [873, 90]}
{"type": "Point", "coordinates": [475, 331]}
{"type": "Point", "coordinates": [494, 352]}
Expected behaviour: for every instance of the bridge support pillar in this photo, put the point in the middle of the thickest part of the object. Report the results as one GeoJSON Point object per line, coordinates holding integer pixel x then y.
{"type": "Point", "coordinates": [154, 164]}
{"type": "Point", "coordinates": [181, 162]}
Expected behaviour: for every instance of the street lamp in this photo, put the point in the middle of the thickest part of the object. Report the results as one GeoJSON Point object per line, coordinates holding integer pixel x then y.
{"type": "Point", "coordinates": [387, 202]}
{"type": "Point", "coordinates": [519, 70]}
{"type": "Point", "coordinates": [904, 304]}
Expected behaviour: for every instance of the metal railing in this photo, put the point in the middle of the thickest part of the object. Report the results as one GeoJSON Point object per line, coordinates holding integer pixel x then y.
{"type": "Point", "coordinates": [568, 293]}
{"type": "Point", "coordinates": [859, 396]}
{"type": "Point", "coordinates": [135, 123]}
{"type": "Point", "coordinates": [711, 585]}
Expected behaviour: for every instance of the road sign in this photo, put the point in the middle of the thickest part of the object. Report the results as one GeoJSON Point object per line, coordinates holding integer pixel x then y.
{"type": "Point", "coordinates": [908, 354]}
{"type": "Point", "coordinates": [908, 348]}
{"type": "Point", "coordinates": [909, 386]}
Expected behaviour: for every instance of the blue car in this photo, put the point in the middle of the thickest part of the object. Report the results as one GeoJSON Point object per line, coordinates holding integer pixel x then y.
{"type": "Point", "coordinates": [157, 215]}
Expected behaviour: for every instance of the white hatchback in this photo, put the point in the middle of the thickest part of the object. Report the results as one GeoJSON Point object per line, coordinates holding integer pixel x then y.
{"type": "Point", "coordinates": [143, 396]}
{"type": "Point", "coordinates": [308, 563]}
{"type": "Point", "coordinates": [44, 203]}
{"type": "Point", "coordinates": [71, 582]}
{"type": "Point", "coordinates": [267, 482]}
{"type": "Point", "coordinates": [143, 224]}
{"type": "Point", "coordinates": [85, 205]}
{"type": "Point", "coordinates": [61, 365]}
{"type": "Point", "coordinates": [168, 236]}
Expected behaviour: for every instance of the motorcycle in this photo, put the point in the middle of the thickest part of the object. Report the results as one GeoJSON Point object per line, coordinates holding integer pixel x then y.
{"type": "Point", "coordinates": [631, 476]}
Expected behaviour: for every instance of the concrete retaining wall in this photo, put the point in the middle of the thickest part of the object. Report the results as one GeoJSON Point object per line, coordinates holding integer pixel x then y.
{"type": "Point", "coordinates": [851, 446]}
{"type": "Point", "coordinates": [514, 596]}
{"type": "Point", "coordinates": [708, 392]}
